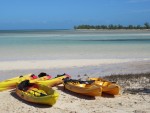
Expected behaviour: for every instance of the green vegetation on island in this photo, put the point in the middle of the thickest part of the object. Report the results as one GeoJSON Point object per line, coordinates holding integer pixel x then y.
{"type": "Point", "coordinates": [111, 26]}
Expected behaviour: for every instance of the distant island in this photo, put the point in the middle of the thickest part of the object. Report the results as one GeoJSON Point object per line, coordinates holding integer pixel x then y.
{"type": "Point", "coordinates": [111, 26]}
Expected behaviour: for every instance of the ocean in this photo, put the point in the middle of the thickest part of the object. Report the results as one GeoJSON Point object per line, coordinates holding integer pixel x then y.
{"type": "Point", "coordinates": [74, 44]}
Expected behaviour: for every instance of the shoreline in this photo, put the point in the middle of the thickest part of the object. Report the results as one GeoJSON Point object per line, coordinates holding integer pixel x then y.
{"type": "Point", "coordinates": [134, 98]}
{"type": "Point", "coordinates": [26, 30]}
{"type": "Point", "coordinates": [74, 68]}
{"type": "Point", "coordinates": [122, 55]}
{"type": "Point", "coordinates": [116, 30]}
{"type": "Point", "coordinates": [46, 64]}
{"type": "Point", "coordinates": [60, 63]}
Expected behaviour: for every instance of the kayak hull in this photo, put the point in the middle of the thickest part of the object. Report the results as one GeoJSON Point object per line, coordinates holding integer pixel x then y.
{"type": "Point", "coordinates": [52, 82]}
{"type": "Point", "coordinates": [11, 83]}
{"type": "Point", "coordinates": [49, 99]}
{"type": "Point", "coordinates": [107, 86]}
{"type": "Point", "coordinates": [85, 89]}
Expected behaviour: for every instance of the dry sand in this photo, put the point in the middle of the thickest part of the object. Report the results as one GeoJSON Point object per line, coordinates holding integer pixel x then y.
{"type": "Point", "coordinates": [46, 64]}
{"type": "Point", "coordinates": [134, 98]}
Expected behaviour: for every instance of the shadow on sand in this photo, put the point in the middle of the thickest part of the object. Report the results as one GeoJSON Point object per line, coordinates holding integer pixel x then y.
{"type": "Point", "coordinates": [29, 103]}
{"type": "Point", "coordinates": [75, 94]}
{"type": "Point", "coordinates": [138, 90]}
{"type": "Point", "coordinates": [105, 95]}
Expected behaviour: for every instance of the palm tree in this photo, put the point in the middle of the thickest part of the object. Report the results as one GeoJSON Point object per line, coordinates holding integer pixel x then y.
{"type": "Point", "coordinates": [146, 24]}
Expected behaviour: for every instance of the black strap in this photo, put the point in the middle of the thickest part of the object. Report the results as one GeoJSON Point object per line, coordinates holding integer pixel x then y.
{"type": "Point", "coordinates": [60, 75]}
{"type": "Point", "coordinates": [42, 74]}
{"type": "Point", "coordinates": [66, 80]}
{"type": "Point", "coordinates": [23, 85]}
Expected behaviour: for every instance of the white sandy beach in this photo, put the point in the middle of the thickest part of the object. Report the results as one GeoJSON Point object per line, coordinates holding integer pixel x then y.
{"type": "Point", "coordinates": [69, 102]}
{"type": "Point", "coordinates": [108, 39]}
{"type": "Point", "coordinates": [47, 64]}
{"type": "Point", "coordinates": [92, 67]}
{"type": "Point", "coordinates": [94, 53]}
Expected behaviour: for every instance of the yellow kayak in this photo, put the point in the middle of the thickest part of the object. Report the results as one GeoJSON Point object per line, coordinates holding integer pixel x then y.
{"type": "Point", "coordinates": [36, 93]}
{"type": "Point", "coordinates": [82, 88]}
{"type": "Point", "coordinates": [107, 86]}
{"type": "Point", "coordinates": [51, 82]}
{"type": "Point", "coordinates": [11, 83]}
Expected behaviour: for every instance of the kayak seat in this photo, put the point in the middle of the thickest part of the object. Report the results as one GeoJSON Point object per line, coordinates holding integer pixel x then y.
{"type": "Point", "coordinates": [105, 83]}
{"type": "Point", "coordinates": [36, 92]}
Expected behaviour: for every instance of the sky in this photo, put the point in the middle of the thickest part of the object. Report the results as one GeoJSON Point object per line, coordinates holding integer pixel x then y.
{"type": "Point", "coordinates": [65, 14]}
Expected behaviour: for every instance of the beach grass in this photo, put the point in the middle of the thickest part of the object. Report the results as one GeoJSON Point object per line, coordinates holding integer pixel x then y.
{"type": "Point", "coordinates": [126, 77]}
{"type": "Point", "coordinates": [132, 83]}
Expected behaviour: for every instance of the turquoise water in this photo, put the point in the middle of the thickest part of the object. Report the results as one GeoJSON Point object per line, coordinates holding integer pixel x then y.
{"type": "Point", "coordinates": [70, 44]}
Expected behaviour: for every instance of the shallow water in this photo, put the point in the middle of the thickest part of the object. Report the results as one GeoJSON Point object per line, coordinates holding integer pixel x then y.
{"type": "Point", "coordinates": [70, 44]}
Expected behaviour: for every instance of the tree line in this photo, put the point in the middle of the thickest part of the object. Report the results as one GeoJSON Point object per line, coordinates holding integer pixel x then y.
{"type": "Point", "coordinates": [111, 26]}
